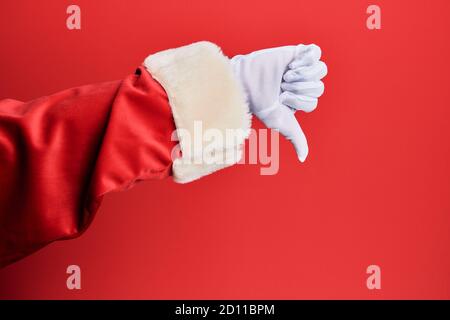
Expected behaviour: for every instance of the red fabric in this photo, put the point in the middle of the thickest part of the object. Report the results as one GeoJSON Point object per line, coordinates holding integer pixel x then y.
{"type": "Point", "coordinates": [60, 154]}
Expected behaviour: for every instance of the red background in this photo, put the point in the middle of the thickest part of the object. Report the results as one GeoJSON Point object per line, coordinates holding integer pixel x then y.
{"type": "Point", "coordinates": [374, 189]}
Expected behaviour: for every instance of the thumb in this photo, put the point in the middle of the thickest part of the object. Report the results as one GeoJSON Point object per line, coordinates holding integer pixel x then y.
{"type": "Point", "coordinates": [290, 128]}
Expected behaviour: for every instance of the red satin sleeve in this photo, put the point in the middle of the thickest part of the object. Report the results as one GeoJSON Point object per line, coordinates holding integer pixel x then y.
{"type": "Point", "coordinates": [60, 154]}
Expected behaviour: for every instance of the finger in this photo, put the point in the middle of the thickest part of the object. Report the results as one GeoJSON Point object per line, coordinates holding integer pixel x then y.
{"type": "Point", "coordinates": [304, 57]}
{"type": "Point", "coordinates": [307, 73]}
{"type": "Point", "coordinates": [298, 102]}
{"type": "Point", "coordinates": [290, 128]}
{"type": "Point", "coordinates": [312, 89]}
{"type": "Point", "coordinates": [307, 49]}
{"type": "Point", "coordinates": [300, 50]}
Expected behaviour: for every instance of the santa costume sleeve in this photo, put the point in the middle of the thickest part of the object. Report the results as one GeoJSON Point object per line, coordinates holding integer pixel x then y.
{"type": "Point", "coordinates": [60, 154]}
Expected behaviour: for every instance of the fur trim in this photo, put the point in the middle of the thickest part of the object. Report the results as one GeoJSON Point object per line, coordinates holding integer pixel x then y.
{"type": "Point", "coordinates": [208, 106]}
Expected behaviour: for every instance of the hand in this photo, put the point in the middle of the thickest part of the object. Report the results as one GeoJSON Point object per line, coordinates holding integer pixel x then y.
{"type": "Point", "coordinates": [278, 82]}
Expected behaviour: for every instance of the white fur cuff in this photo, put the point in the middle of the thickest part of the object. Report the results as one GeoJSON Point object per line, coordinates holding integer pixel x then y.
{"type": "Point", "coordinates": [208, 106]}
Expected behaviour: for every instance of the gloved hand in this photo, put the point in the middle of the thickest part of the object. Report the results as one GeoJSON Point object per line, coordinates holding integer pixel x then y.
{"type": "Point", "coordinates": [278, 82]}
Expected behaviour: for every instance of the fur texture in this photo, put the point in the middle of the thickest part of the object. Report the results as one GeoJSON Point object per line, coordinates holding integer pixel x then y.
{"type": "Point", "coordinates": [202, 90]}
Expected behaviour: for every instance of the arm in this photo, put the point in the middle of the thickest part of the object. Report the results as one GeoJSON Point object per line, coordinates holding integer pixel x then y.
{"type": "Point", "coordinates": [61, 154]}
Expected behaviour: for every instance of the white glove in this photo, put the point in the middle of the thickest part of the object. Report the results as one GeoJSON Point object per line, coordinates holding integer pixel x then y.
{"type": "Point", "coordinates": [278, 82]}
